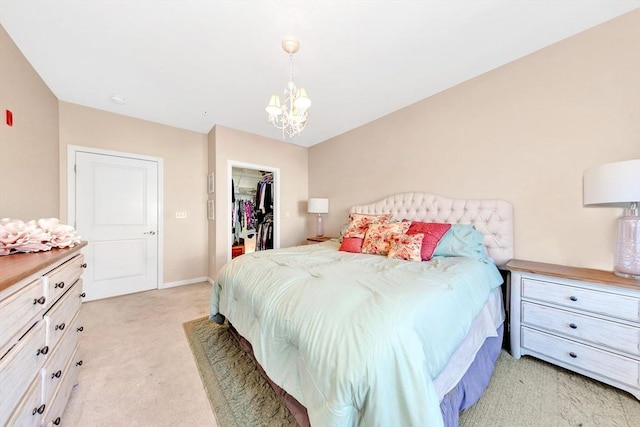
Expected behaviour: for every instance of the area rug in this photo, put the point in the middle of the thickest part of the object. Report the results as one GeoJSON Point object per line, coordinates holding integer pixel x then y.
{"type": "Point", "coordinates": [522, 393]}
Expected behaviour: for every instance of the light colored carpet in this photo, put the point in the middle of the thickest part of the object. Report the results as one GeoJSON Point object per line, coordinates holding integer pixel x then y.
{"type": "Point", "coordinates": [522, 393]}
{"type": "Point", "coordinates": [138, 370]}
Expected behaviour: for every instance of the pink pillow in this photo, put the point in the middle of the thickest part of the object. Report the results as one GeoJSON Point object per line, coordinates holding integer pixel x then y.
{"type": "Point", "coordinates": [379, 237]}
{"type": "Point", "coordinates": [358, 223]}
{"type": "Point", "coordinates": [351, 244]}
{"type": "Point", "coordinates": [407, 247]}
{"type": "Point", "coordinates": [433, 232]}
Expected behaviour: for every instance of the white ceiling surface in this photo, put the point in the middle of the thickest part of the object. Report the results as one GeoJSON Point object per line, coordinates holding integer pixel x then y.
{"type": "Point", "coordinates": [194, 64]}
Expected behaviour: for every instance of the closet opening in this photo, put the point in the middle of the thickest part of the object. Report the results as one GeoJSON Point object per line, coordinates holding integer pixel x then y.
{"type": "Point", "coordinates": [254, 223]}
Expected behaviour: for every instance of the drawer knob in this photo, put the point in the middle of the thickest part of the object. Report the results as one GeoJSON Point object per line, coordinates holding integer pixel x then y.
{"type": "Point", "coordinates": [83, 265]}
{"type": "Point", "coordinates": [59, 285]}
{"type": "Point", "coordinates": [79, 363]}
{"type": "Point", "coordinates": [43, 350]}
{"type": "Point", "coordinates": [80, 329]}
{"type": "Point", "coordinates": [573, 326]}
{"type": "Point", "coordinates": [56, 375]}
{"type": "Point", "coordinates": [57, 421]}
{"type": "Point", "coordinates": [40, 300]}
{"type": "Point", "coordinates": [82, 295]}
{"type": "Point", "coordinates": [572, 354]}
{"type": "Point", "coordinates": [60, 326]}
{"type": "Point", "coordinates": [38, 410]}
{"type": "Point", "coordinates": [573, 298]}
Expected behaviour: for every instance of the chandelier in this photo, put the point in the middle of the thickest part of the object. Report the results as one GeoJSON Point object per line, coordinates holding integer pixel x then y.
{"type": "Point", "coordinates": [292, 115]}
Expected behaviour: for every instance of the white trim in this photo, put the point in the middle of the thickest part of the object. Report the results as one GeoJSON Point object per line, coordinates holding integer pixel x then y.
{"type": "Point", "coordinates": [184, 282]}
{"type": "Point", "coordinates": [71, 191]}
{"type": "Point", "coordinates": [276, 199]}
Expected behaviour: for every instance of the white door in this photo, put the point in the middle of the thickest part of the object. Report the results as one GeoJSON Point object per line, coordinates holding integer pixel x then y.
{"type": "Point", "coordinates": [117, 213]}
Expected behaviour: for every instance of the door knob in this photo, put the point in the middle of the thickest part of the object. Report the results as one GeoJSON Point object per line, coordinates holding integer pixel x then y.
{"type": "Point", "coordinates": [150, 232]}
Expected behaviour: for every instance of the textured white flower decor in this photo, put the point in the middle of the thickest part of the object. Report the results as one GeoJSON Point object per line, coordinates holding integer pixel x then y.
{"type": "Point", "coordinates": [35, 235]}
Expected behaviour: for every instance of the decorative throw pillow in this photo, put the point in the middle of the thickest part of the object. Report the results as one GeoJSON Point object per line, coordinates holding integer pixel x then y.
{"type": "Point", "coordinates": [462, 240]}
{"type": "Point", "coordinates": [433, 232]}
{"type": "Point", "coordinates": [378, 239]}
{"type": "Point", "coordinates": [351, 244]}
{"type": "Point", "coordinates": [407, 247]}
{"type": "Point", "coordinates": [358, 223]}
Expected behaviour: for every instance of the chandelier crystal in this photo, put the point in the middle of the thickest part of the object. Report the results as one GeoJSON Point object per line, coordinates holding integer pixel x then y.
{"type": "Point", "coordinates": [292, 115]}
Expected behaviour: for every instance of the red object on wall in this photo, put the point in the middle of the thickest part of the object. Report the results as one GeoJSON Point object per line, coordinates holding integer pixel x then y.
{"type": "Point", "coordinates": [9, 118]}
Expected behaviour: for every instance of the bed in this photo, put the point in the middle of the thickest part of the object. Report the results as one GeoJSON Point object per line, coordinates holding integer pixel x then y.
{"type": "Point", "coordinates": [356, 339]}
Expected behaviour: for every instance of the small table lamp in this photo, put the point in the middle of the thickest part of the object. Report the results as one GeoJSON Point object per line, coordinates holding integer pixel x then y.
{"type": "Point", "coordinates": [318, 206]}
{"type": "Point", "coordinates": [618, 185]}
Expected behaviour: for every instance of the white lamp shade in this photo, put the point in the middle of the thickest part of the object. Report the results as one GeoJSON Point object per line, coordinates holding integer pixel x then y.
{"type": "Point", "coordinates": [612, 184]}
{"type": "Point", "coordinates": [318, 206]}
{"type": "Point", "coordinates": [302, 100]}
{"type": "Point", "coordinates": [274, 108]}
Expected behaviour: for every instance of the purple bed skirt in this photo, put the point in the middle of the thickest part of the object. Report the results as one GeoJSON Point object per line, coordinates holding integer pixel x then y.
{"type": "Point", "coordinates": [473, 382]}
{"type": "Point", "coordinates": [463, 395]}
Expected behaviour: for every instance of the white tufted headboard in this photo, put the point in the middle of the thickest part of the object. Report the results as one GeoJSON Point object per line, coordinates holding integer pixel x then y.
{"type": "Point", "coordinates": [493, 218]}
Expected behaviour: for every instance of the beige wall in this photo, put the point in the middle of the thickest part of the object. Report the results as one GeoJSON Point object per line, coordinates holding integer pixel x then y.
{"type": "Point", "coordinates": [524, 132]}
{"type": "Point", "coordinates": [29, 148]}
{"type": "Point", "coordinates": [184, 156]}
{"type": "Point", "coordinates": [231, 144]}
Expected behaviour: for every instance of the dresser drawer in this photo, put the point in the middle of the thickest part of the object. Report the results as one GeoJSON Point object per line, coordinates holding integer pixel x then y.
{"type": "Point", "coordinates": [19, 312]}
{"type": "Point", "coordinates": [614, 335]}
{"type": "Point", "coordinates": [60, 316]}
{"type": "Point", "coordinates": [18, 367]}
{"type": "Point", "coordinates": [29, 411]}
{"type": "Point", "coordinates": [58, 361]}
{"type": "Point", "coordinates": [615, 367]}
{"type": "Point", "coordinates": [55, 408]}
{"type": "Point", "coordinates": [60, 279]}
{"type": "Point", "coordinates": [620, 306]}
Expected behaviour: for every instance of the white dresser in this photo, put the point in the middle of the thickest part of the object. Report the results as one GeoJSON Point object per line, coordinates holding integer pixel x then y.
{"type": "Point", "coordinates": [582, 319]}
{"type": "Point", "coordinates": [40, 297]}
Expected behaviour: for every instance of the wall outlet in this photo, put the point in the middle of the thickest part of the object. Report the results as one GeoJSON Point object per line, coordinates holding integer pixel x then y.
{"type": "Point", "coordinates": [181, 215]}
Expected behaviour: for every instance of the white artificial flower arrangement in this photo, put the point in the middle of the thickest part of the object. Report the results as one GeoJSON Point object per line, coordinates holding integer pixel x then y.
{"type": "Point", "coordinates": [35, 236]}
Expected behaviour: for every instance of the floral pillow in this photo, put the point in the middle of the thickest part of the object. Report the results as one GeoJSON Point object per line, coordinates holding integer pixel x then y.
{"type": "Point", "coordinates": [351, 244]}
{"type": "Point", "coordinates": [407, 247]}
{"type": "Point", "coordinates": [358, 223]}
{"type": "Point", "coordinates": [432, 232]}
{"type": "Point", "coordinates": [378, 238]}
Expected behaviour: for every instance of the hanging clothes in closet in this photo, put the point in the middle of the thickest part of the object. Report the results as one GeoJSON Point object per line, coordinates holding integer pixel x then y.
{"type": "Point", "coordinates": [243, 219]}
{"type": "Point", "coordinates": [243, 216]}
{"type": "Point", "coordinates": [264, 212]}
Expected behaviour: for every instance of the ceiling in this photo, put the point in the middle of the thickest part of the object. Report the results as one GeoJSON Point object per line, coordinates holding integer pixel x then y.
{"type": "Point", "coordinates": [194, 64]}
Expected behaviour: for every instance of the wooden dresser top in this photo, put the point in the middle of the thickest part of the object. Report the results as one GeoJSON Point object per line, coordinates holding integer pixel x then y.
{"type": "Point", "coordinates": [575, 273]}
{"type": "Point", "coordinates": [16, 267]}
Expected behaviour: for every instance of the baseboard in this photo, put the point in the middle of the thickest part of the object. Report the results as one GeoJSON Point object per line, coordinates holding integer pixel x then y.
{"type": "Point", "coordinates": [211, 281]}
{"type": "Point", "coordinates": [184, 282]}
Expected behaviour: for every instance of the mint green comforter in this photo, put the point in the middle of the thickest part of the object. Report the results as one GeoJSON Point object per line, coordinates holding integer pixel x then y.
{"type": "Point", "coordinates": [357, 339]}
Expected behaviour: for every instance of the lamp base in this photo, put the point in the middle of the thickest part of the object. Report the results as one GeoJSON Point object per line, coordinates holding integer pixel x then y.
{"type": "Point", "coordinates": [319, 231]}
{"type": "Point", "coordinates": [628, 276]}
{"type": "Point", "coordinates": [627, 254]}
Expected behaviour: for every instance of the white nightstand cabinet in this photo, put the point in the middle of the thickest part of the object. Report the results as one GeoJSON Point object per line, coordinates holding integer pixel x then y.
{"type": "Point", "coordinates": [584, 320]}
{"type": "Point", "coordinates": [40, 297]}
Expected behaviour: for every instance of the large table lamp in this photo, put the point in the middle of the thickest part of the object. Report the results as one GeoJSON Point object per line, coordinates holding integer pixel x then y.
{"type": "Point", "coordinates": [618, 185]}
{"type": "Point", "coordinates": [319, 207]}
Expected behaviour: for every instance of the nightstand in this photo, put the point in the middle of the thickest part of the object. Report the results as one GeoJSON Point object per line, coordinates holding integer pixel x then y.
{"type": "Point", "coordinates": [314, 240]}
{"type": "Point", "coordinates": [584, 320]}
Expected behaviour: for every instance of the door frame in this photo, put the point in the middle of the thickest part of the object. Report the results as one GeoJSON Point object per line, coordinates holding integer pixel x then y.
{"type": "Point", "coordinates": [276, 199]}
{"type": "Point", "coordinates": [71, 192]}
